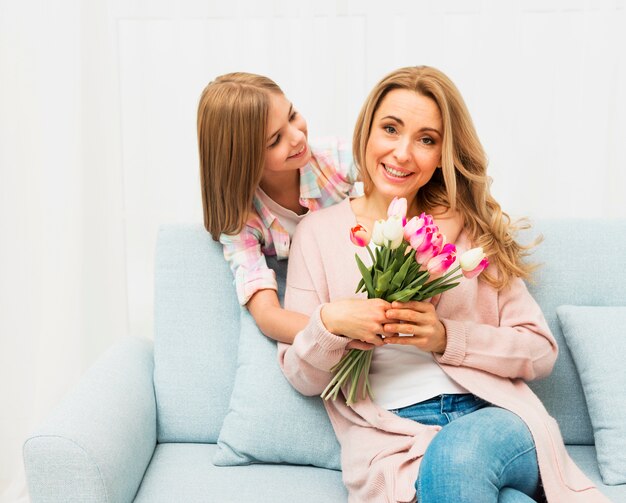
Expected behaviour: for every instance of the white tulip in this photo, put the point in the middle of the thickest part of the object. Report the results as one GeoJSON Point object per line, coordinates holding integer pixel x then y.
{"type": "Point", "coordinates": [393, 231]}
{"type": "Point", "coordinates": [471, 258]}
{"type": "Point", "coordinates": [377, 233]}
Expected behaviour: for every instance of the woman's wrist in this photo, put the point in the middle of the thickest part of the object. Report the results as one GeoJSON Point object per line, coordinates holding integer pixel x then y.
{"type": "Point", "coordinates": [328, 318]}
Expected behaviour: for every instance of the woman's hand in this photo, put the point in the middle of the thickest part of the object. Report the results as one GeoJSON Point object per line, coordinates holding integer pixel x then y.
{"type": "Point", "coordinates": [359, 319]}
{"type": "Point", "coordinates": [418, 319]}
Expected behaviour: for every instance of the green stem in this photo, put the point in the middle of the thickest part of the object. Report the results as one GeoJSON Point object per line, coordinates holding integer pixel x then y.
{"type": "Point", "coordinates": [343, 369]}
{"type": "Point", "coordinates": [371, 255]}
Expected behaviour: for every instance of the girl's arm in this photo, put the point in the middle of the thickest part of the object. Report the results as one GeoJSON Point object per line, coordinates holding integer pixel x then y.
{"type": "Point", "coordinates": [274, 321]}
{"type": "Point", "coordinates": [246, 259]}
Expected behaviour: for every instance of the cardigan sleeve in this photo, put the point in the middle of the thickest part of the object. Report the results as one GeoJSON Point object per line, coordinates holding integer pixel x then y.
{"type": "Point", "coordinates": [307, 362]}
{"type": "Point", "coordinates": [522, 346]}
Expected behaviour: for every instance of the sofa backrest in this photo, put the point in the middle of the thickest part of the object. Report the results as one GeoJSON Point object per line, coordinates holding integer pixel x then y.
{"type": "Point", "coordinates": [196, 332]}
{"type": "Point", "coordinates": [197, 321]}
{"type": "Point", "coordinates": [582, 264]}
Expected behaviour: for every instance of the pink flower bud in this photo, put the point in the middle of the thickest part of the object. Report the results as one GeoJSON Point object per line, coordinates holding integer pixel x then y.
{"type": "Point", "coordinates": [438, 239]}
{"type": "Point", "coordinates": [422, 257]}
{"type": "Point", "coordinates": [428, 219]}
{"type": "Point", "coordinates": [440, 263]}
{"type": "Point", "coordinates": [359, 235]}
{"type": "Point", "coordinates": [397, 208]}
{"type": "Point", "coordinates": [422, 239]}
{"type": "Point", "coordinates": [412, 226]}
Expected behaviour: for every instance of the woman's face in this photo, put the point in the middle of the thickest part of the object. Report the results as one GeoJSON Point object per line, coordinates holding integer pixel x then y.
{"type": "Point", "coordinates": [286, 143]}
{"type": "Point", "coordinates": [404, 146]}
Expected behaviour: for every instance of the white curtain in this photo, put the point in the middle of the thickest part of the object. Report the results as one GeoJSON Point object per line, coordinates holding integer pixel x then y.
{"type": "Point", "coordinates": [97, 139]}
{"type": "Point", "coordinates": [62, 266]}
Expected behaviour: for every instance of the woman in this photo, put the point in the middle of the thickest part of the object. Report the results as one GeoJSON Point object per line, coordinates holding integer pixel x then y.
{"type": "Point", "coordinates": [452, 418]}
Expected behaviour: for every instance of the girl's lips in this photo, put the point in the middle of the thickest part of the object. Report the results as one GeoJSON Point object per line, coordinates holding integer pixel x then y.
{"type": "Point", "coordinates": [299, 154]}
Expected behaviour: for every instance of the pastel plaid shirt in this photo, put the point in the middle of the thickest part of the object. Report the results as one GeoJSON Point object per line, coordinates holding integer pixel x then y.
{"type": "Point", "coordinates": [263, 234]}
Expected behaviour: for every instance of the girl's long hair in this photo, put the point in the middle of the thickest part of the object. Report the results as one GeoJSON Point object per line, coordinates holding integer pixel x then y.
{"type": "Point", "coordinates": [462, 183]}
{"type": "Point", "coordinates": [232, 118]}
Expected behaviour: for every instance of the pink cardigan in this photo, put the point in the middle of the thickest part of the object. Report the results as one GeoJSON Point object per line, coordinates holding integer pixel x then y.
{"type": "Point", "coordinates": [496, 342]}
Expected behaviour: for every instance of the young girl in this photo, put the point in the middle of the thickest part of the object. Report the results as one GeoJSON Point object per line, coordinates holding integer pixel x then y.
{"type": "Point", "coordinates": [452, 418]}
{"type": "Point", "coordinates": [259, 178]}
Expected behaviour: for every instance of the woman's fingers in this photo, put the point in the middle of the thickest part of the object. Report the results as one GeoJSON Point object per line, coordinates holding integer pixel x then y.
{"type": "Point", "coordinates": [354, 344]}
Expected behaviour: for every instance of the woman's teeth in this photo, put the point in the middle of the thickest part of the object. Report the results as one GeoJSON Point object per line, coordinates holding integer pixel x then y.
{"type": "Point", "coordinates": [395, 172]}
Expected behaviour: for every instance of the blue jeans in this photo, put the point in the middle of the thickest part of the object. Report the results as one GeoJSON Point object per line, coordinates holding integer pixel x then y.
{"type": "Point", "coordinates": [483, 454]}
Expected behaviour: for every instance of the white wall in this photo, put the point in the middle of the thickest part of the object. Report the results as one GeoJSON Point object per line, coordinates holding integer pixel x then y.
{"type": "Point", "coordinates": [98, 143]}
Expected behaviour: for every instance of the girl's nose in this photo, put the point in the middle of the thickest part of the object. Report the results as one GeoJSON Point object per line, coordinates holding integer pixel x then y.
{"type": "Point", "coordinates": [295, 135]}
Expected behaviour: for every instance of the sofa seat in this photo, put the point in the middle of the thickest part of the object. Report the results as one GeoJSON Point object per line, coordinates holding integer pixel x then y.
{"type": "Point", "coordinates": [184, 472]}
{"type": "Point", "coordinates": [585, 457]}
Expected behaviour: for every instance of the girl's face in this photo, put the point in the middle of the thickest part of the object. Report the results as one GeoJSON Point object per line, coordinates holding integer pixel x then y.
{"type": "Point", "coordinates": [404, 146]}
{"type": "Point", "coordinates": [286, 143]}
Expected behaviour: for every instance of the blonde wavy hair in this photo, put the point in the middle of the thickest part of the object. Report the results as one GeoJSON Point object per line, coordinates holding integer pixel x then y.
{"type": "Point", "coordinates": [462, 184]}
{"type": "Point", "coordinates": [232, 122]}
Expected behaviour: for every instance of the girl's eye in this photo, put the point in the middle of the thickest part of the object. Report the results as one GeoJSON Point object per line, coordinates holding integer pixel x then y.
{"type": "Point", "coordinates": [293, 116]}
{"type": "Point", "coordinates": [275, 142]}
{"type": "Point", "coordinates": [428, 141]}
{"type": "Point", "coordinates": [390, 129]}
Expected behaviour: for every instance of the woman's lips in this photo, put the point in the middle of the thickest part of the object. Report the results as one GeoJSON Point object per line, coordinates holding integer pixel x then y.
{"type": "Point", "coordinates": [395, 174]}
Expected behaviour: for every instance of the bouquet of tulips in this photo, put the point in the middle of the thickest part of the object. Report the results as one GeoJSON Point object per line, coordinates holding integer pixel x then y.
{"type": "Point", "coordinates": [411, 261]}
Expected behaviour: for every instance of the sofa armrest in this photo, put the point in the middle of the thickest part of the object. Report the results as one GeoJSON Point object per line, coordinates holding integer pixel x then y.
{"type": "Point", "coordinates": [97, 445]}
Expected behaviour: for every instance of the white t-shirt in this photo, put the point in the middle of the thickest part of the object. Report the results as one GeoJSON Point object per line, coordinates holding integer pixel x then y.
{"type": "Point", "coordinates": [405, 375]}
{"type": "Point", "coordinates": [287, 218]}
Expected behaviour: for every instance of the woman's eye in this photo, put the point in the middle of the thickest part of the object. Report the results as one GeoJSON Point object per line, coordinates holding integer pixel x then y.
{"type": "Point", "coordinates": [390, 129]}
{"type": "Point", "coordinates": [293, 116]}
{"type": "Point", "coordinates": [428, 141]}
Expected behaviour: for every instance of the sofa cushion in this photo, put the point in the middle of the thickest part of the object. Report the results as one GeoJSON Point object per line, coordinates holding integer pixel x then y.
{"type": "Point", "coordinates": [585, 458]}
{"type": "Point", "coordinates": [269, 421]}
{"type": "Point", "coordinates": [564, 277]}
{"type": "Point", "coordinates": [596, 337]}
{"type": "Point", "coordinates": [184, 472]}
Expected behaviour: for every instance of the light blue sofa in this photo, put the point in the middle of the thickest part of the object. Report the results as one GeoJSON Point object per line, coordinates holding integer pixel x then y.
{"type": "Point", "coordinates": [142, 424]}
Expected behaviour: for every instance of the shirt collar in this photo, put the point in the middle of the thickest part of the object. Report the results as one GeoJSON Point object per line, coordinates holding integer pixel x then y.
{"type": "Point", "coordinates": [309, 188]}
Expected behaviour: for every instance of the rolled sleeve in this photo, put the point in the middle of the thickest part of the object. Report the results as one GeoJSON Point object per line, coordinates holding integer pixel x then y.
{"type": "Point", "coordinates": [250, 281]}
{"type": "Point", "coordinates": [247, 262]}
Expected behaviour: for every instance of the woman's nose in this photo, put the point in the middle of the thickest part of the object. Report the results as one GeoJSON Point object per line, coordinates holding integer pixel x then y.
{"type": "Point", "coordinates": [402, 151]}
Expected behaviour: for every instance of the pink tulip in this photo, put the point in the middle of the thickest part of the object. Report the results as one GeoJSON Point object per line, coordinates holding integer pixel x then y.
{"type": "Point", "coordinates": [359, 235]}
{"type": "Point", "coordinates": [422, 239]}
{"type": "Point", "coordinates": [423, 257]}
{"type": "Point", "coordinates": [428, 219]}
{"type": "Point", "coordinates": [438, 239]}
{"type": "Point", "coordinates": [412, 226]}
{"type": "Point", "coordinates": [397, 208]}
{"type": "Point", "coordinates": [440, 263]}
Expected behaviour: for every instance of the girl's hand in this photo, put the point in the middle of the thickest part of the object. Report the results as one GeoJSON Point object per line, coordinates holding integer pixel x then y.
{"type": "Point", "coordinates": [419, 319]}
{"type": "Point", "coordinates": [358, 319]}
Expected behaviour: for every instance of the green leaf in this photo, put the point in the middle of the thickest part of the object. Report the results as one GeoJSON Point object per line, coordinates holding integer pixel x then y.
{"type": "Point", "coordinates": [400, 276]}
{"type": "Point", "coordinates": [367, 277]}
{"type": "Point", "coordinates": [382, 282]}
{"type": "Point", "coordinates": [431, 293]}
{"type": "Point", "coordinates": [402, 295]}
{"type": "Point", "coordinates": [360, 286]}
{"type": "Point", "coordinates": [418, 281]}
{"type": "Point", "coordinates": [411, 273]}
